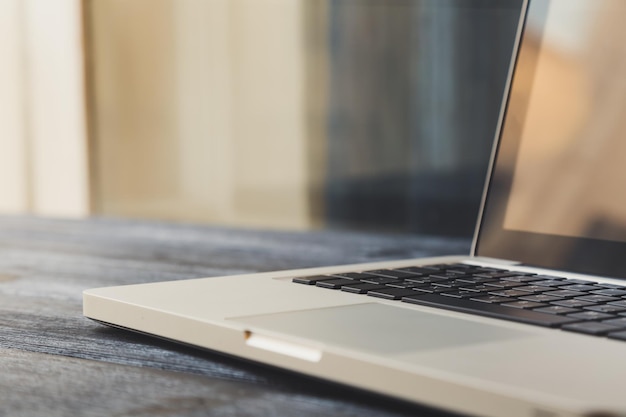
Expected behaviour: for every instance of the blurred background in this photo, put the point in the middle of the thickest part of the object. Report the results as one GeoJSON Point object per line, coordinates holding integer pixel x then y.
{"type": "Point", "coordinates": [372, 115]}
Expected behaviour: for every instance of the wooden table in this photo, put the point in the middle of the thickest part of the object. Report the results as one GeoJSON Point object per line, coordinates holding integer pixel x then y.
{"type": "Point", "coordinates": [54, 362]}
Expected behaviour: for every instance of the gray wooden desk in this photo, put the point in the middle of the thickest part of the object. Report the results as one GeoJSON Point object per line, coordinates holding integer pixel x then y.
{"type": "Point", "coordinates": [54, 362]}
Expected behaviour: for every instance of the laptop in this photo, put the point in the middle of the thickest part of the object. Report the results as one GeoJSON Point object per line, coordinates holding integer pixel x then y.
{"type": "Point", "coordinates": [532, 323]}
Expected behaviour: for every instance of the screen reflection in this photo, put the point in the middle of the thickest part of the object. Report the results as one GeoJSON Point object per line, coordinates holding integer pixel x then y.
{"type": "Point", "coordinates": [570, 171]}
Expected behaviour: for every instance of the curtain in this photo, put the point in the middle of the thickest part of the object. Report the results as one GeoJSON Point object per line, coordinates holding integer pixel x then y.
{"type": "Point", "coordinates": [415, 92]}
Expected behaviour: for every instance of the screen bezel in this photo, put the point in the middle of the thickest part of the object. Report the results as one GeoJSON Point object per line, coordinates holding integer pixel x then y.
{"type": "Point", "coordinates": [574, 254]}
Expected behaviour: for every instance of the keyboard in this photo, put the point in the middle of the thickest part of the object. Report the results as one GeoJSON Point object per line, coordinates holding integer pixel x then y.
{"type": "Point", "coordinates": [569, 304]}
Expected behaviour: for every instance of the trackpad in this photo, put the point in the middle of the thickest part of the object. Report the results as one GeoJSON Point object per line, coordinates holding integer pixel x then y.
{"type": "Point", "coordinates": [381, 329]}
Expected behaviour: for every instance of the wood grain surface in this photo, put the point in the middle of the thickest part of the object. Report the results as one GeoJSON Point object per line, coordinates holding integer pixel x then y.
{"type": "Point", "coordinates": [54, 362]}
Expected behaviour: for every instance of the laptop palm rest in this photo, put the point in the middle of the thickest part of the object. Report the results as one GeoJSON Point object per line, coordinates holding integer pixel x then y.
{"type": "Point", "coordinates": [379, 328]}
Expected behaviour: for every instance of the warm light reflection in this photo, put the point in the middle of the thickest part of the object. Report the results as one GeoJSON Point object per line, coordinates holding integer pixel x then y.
{"type": "Point", "coordinates": [569, 178]}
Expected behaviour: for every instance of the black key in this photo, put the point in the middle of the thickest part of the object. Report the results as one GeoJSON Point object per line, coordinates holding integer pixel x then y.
{"type": "Point", "coordinates": [461, 271]}
{"type": "Point", "coordinates": [354, 275]}
{"type": "Point", "coordinates": [420, 270]}
{"type": "Point", "coordinates": [619, 322]}
{"type": "Point", "coordinates": [492, 299]}
{"type": "Point", "coordinates": [477, 288]}
{"type": "Point", "coordinates": [618, 335]}
{"type": "Point", "coordinates": [606, 308]}
{"type": "Point", "coordinates": [522, 278]}
{"type": "Point", "coordinates": [594, 298]}
{"type": "Point", "coordinates": [504, 284]}
{"type": "Point", "coordinates": [450, 283]}
{"type": "Point", "coordinates": [425, 280]}
{"type": "Point", "coordinates": [449, 275]}
{"type": "Point", "coordinates": [442, 267]}
{"type": "Point", "coordinates": [361, 288]}
{"type": "Point", "coordinates": [400, 273]}
{"type": "Point", "coordinates": [611, 292]}
{"type": "Point", "coordinates": [591, 315]}
{"type": "Point", "coordinates": [334, 284]}
{"type": "Point", "coordinates": [476, 280]}
{"type": "Point", "coordinates": [581, 287]}
{"type": "Point", "coordinates": [534, 288]}
{"type": "Point", "coordinates": [483, 269]}
{"type": "Point", "coordinates": [435, 266]}
{"type": "Point", "coordinates": [489, 310]}
{"type": "Point", "coordinates": [403, 284]}
{"type": "Point", "coordinates": [312, 280]}
{"type": "Point", "coordinates": [392, 273]}
{"type": "Point", "coordinates": [558, 310]}
{"type": "Point", "coordinates": [591, 327]}
{"type": "Point", "coordinates": [462, 266]}
{"type": "Point", "coordinates": [379, 280]}
{"type": "Point", "coordinates": [548, 283]}
{"type": "Point", "coordinates": [621, 303]}
{"type": "Point", "coordinates": [540, 298]}
{"type": "Point", "coordinates": [508, 293]}
{"type": "Point", "coordinates": [497, 275]}
{"type": "Point", "coordinates": [430, 289]}
{"type": "Point", "coordinates": [578, 281]}
{"type": "Point", "coordinates": [490, 269]}
{"type": "Point", "coordinates": [564, 293]}
{"type": "Point", "coordinates": [572, 303]}
{"type": "Point", "coordinates": [524, 304]}
{"type": "Point", "coordinates": [459, 294]}
{"type": "Point", "coordinates": [610, 285]}
{"type": "Point", "coordinates": [391, 293]}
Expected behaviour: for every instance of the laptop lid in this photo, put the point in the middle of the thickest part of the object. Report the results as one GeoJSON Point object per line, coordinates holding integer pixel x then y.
{"type": "Point", "coordinates": [557, 187]}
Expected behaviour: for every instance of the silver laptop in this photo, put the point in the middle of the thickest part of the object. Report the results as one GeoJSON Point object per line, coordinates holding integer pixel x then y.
{"type": "Point", "coordinates": [531, 323]}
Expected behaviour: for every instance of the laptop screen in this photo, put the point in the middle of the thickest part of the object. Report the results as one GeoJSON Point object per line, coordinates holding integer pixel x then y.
{"type": "Point", "coordinates": [557, 196]}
